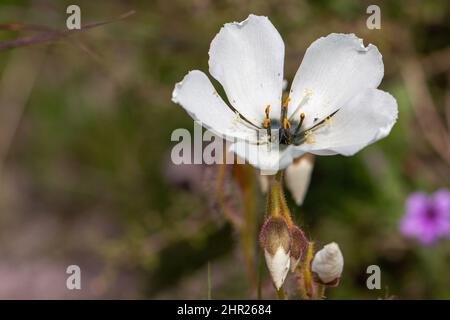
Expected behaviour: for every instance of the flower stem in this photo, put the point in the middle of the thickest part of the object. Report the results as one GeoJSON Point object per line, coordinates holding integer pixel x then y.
{"type": "Point", "coordinates": [284, 207]}
{"type": "Point", "coordinates": [277, 199]}
{"type": "Point", "coordinates": [274, 200]}
{"type": "Point", "coordinates": [281, 294]}
{"type": "Point", "coordinates": [320, 291]}
{"type": "Point", "coordinates": [309, 286]}
{"type": "Point", "coordinates": [301, 283]}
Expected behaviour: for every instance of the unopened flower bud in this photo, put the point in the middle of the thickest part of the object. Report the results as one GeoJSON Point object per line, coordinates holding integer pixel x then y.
{"type": "Point", "coordinates": [275, 240]}
{"type": "Point", "coordinates": [299, 245]}
{"type": "Point", "coordinates": [298, 176]}
{"type": "Point", "coordinates": [328, 264]}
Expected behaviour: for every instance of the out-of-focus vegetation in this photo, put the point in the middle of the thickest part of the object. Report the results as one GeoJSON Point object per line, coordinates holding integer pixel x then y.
{"type": "Point", "coordinates": [85, 125]}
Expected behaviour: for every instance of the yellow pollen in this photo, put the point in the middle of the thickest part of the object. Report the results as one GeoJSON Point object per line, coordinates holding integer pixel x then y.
{"type": "Point", "coordinates": [267, 110]}
{"type": "Point", "coordinates": [302, 116]}
{"type": "Point", "coordinates": [267, 123]}
{"type": "Point", "coordinates": [286, 123]}
{"type": "Point", "coordinates": [286, 102]}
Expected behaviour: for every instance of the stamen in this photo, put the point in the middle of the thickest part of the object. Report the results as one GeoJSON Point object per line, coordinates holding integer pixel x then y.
{"type": "Point", "coordinates": [325, 121]}
{"type": "Point", "coordinates": [307, 135]}
{"type": "Point", "coordinates": [286, 102]}
{"type": "Point", "coordinates": [267, 123]}
{"type": "Point", "coordinates": [302, 117]}
{"type": "Point", "coordinates": [286, 124]}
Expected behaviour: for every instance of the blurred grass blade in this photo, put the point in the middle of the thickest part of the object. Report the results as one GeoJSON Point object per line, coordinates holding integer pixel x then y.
{"type": "Point", "coordinates": [53, 35]}
{"type": "Point", "coordinates": [209, 280]}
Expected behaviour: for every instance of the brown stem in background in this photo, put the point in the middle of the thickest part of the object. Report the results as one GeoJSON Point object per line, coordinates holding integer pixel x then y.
{"type": "Point", "coordinates": [245, 177]}
{"type": "Point", "coordinates": [447, 101]}
{"type": "Point", "coordinates": [231, 216]}
{"type": "Point", "coordinates": [16, 85]}
{"type": "Point", "coordinates": [52, 35]}
{"type": "Point", "coordinates": [437, 62]}
{"type": "Point", "coordinates": [426, 114]}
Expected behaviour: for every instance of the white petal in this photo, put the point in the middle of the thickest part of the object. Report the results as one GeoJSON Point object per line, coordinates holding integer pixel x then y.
{"type": "Point", "coordinates": [198, 97]}
{"type": "Point", "coordinates": [247, 59]}
{"type": "Point", "coordinates": [268, 158]}
{"type": "Point", "coordinates": [298, 176]}
{"type": "Point", "coordinates": [334, 69]}
{"type": "Point", "coordinates": [278, 265]}
{"type": "Point", "coordinates": [367, 118]}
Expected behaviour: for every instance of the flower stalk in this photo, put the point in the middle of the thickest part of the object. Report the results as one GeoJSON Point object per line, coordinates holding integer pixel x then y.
{"type": "Point", "coordinates": [307, 276]}
{"type": "Point", "coordinates": [283, 242]}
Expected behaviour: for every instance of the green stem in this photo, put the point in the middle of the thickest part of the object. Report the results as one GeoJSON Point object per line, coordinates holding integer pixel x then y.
{"type": "Point", "coordinates": [274, 199]}
{"type": "Point", "coordinates": [309, 286]}
{"type": "Point", "coordinates": [301, 283]}
{"type": "Point", "coordinates": [281, 294]}
{"type": "Point", "coordinates": [279, 176]}
{"type": "Point", "coordinates": [283, 206]}
{"type": "Point", "coordinates": [320, 291]}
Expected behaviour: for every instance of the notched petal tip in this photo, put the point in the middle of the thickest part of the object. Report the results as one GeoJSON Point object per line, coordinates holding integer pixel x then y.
{"type": "Point", "coordinates": [235, 24]}
{"type": "Point", "coordinates": [242, 23]}
{"type": "Point", "coordinates": [359, 42]}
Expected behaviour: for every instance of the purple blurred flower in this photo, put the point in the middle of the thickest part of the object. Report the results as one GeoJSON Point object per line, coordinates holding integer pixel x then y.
{"type": "Point", "coordinates": [427, 218]}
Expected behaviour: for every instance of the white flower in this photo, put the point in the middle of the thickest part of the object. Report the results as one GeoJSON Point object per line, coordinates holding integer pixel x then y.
{"type": "Point", "coordinates": [328, 263]}
{"type": "Point", "coordinates": [333, 105]}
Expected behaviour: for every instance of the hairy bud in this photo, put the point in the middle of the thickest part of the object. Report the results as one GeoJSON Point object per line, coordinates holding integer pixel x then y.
{"type": "Point", "coordinates": [275, 240]}
{"type": "Point", "coordinates": [299, 245]}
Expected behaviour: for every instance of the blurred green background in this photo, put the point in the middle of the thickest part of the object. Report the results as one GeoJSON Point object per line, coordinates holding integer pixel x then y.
{"type": "Point", "coordinates": [85, 174]}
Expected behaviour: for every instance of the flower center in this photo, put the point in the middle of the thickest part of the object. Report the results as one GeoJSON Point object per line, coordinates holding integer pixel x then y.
{"type": "Point", "coordinates": [431, 213]}
{"type": "Point", "coordinates": [290, 132]}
